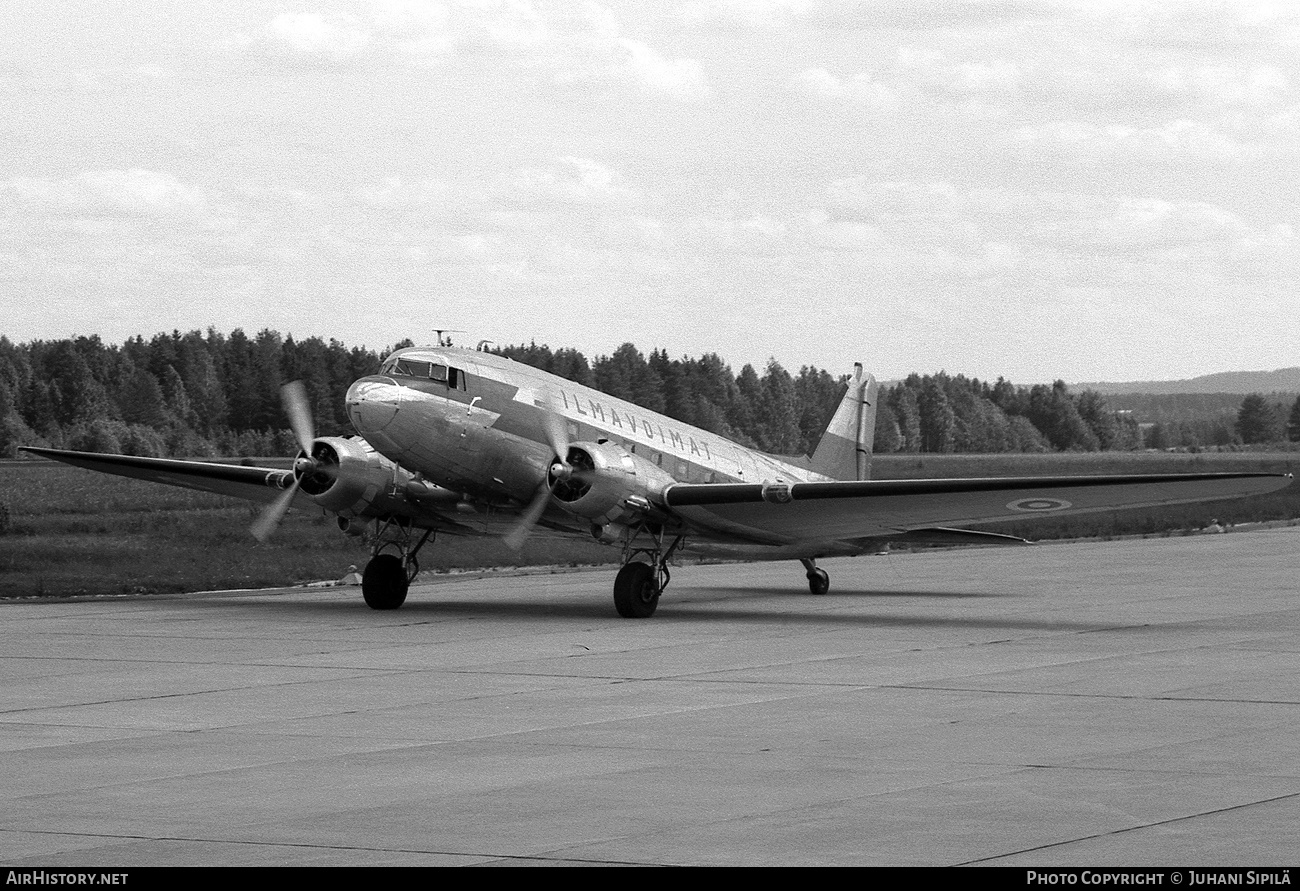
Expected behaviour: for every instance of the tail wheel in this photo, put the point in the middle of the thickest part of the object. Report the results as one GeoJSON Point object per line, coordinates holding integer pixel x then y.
{"type": "Point", "coordinates": [636, 591]}
{"type": "Point", "coordinates": [384, 582]}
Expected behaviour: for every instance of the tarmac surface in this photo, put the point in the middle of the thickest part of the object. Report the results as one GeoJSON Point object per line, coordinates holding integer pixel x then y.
{"type": "Point", "coordinates": [1100, 703]}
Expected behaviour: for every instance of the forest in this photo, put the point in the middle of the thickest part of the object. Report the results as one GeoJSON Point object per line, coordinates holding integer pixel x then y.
{"type": "Point", "coordinates": [208, 394]}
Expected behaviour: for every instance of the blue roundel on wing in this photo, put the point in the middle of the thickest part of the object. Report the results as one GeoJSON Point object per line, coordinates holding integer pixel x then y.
{"type": "Point", "coordinates": [1036, 505]}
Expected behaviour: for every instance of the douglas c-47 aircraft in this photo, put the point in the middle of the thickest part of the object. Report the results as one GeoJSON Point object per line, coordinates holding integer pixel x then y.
{"type": "Point", "coordinates": [467, 442]}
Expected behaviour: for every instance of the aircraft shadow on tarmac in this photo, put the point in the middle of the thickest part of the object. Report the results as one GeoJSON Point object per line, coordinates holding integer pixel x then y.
{"type": "Point", "coordinates": [702, 604]}
{"type": "Point", "coordinates": [875, 594]}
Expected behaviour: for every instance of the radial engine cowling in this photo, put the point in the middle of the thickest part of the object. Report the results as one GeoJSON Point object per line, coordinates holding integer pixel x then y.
{"type": "Point", "coordinates": [347, 476]}
{"type": "Point", "coordinates": [608, 484]}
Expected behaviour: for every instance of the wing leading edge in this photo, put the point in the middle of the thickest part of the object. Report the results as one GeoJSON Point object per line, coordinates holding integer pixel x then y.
{"type": "Point", "coordinates": [835, 511]}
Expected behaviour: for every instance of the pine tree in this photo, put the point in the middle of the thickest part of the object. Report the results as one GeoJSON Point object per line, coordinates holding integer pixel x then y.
{"type": "Point", "coordinates": [777, 413]}
{"type": "Point", "coordinates": [1257, 421]}
{"type": "Point", "coordinates": [938, 423]}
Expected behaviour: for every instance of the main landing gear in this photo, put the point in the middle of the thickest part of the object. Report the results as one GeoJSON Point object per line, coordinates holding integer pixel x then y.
{"type": "Point", "coordinates": [638, 584]}
{"type": "Point", "coordinates": [388, 575]}
{"type": "Point", "coordinates": [818, 581]}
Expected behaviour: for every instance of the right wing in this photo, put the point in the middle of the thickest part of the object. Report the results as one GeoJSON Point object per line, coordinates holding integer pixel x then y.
{"type": "Point", "coordinates": [263, 484]}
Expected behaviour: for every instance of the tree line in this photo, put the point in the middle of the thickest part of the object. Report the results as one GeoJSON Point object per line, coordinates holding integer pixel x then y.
{"type": "Point", "coordinates": [210, 394]}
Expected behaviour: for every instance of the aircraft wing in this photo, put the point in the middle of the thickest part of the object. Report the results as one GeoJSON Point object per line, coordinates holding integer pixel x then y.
{"type": "Point", "coordinates": [237, 480]}
{"type": "Point", "coordinates": [783, 513]}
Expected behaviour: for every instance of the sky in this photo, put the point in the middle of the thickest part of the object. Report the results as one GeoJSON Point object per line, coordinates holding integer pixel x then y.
{"type": "Point", "coordinates": [1036, 190]}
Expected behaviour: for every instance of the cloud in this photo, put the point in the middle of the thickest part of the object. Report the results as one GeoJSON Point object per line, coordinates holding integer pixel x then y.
{"type": "Point", "coordinates": [766, 14]}
{"type": "Point", "coordinates": [134, 192]}
{"type": "Point", "coordinates": [565, 44]}
{"type": "Point", "coordinates": [1212, 24]}
{"type": "Point", "coordinates": [326, 35]}
{"type": "Point", "coordinates": [919, 77]}
{"type": "Point", "coordinates": [680, 79]}
{"type": "Point", "coordinates": [1115, 141]}
{"type": "Point", "coordinates": [1226, 85]}
{"type": "Point", "coordinates": [818, 83]}
{"type": "Point", "coordinates": [863, 15]}
{"type": "Point", "coordinates": [570, 180]}
{"type": "Point", "coordinates": [1077, 222]}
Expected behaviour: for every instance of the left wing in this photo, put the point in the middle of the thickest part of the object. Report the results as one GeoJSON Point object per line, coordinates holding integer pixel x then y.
{"type": "Point", "coordinates": [783, 513]}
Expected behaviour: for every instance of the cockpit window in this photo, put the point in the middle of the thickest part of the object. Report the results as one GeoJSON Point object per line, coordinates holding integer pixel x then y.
{"type": "Point", "coordinates": [433, 371]}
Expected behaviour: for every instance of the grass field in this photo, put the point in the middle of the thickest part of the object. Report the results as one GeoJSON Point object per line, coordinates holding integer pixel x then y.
{"type": "Point", "coordinates": [70, 531]}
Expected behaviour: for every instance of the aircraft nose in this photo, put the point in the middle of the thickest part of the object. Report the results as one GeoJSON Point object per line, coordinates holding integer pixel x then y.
{"type": "Point", "coordinates": [372, 404]}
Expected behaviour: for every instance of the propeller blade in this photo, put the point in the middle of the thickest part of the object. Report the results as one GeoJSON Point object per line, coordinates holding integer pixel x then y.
{"type": "Point", "coordinates": [557, 436]}
{"type": "Point", "coordinates": [516, 537]}
{"type": "Point", "coordinates": [293, 396]}
{"type": "Point", "coordinates": [270, 518]}
{"type": "Point", "coordinates": [557, 433]}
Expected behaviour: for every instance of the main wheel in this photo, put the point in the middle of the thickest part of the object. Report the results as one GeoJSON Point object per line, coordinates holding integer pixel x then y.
{"type": "Point", "coordinates": [384, 582]}
{"type": "Point", "coordinates": [819, 582]}
{"type": "Point", "coordinates": [636, 594]}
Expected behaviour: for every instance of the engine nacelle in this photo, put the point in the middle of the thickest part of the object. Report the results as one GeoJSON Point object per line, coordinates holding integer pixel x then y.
{"type": "Point", "coordinates": [348, 477]}
{"type": "Point", "coordinates": [608, 484]}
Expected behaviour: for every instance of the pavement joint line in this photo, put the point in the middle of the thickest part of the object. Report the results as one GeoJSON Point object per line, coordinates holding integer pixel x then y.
{"type": "Point", "coordinates": [1126, 829]}
{"type": "Point", "coordinates": [328, 847]}
{"type": "Point", "coordinates": [1122, 696]}
{"type": "Point", "coordinates": [609, 679]}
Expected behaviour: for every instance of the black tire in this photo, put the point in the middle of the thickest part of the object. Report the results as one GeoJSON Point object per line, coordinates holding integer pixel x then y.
{"type": "Point", "coordinates": [384, 582]}
{"type": "Point", "coordinates": [819, 582]}
{"type": "Point", "coordinates": [635, 592]}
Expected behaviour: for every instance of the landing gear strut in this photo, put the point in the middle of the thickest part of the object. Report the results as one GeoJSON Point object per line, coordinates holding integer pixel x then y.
{"type": "Point", "coordinates": [818, 581]}
{"type": "Point", "coordinates": [638, 584]}
{"type": "Point", "coordinates": [388, 575]}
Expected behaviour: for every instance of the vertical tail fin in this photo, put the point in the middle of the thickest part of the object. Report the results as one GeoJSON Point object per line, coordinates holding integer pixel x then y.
{"type": "Point", "coordinates": [844, 452]}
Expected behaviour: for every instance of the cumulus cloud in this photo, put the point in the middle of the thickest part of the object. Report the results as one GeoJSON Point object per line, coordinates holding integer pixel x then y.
{"type": "Point", "coordinates": [1070, 221]}
{"type": "Point", "coordinates": [571, 180]}
{"type": "Point", "coordinates": [681, 79]}
{"type": "Point", "coordinates": [862, 14]}
{"type": "Point", "coordinates": [819, 83]}
{"type": "Point", "coordinates": [1181, 137]}
{"type": "Point", "coordinates": [135, 192]}
{"type": "Point", "coordinates": [748, 13]}
{"type": "Point", "coordinates": [1209, 23]}
{"type": "Point", "coordinates": [565, 44]}
{"type": "Point", "coordinates": [915, 77]}
{"type": "Point", "coordinates": [329, 35]}
{"type": "Point", "coordinates": [1226, 85]}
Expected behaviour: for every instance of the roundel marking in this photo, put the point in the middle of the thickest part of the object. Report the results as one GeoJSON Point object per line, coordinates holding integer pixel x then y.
{"type": "Point", "coordinates": [1035, 505]}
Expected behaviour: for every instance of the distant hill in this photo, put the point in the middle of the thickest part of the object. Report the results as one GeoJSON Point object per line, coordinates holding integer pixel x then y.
{"type": "Point", "coordinates": [1284, 380]}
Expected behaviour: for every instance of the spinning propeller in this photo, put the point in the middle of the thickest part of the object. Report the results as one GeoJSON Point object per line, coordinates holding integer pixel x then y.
{"type": "Point", "coordinates": [293, 396]}
{"type": "Point", "coordinates": [561, 472]}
